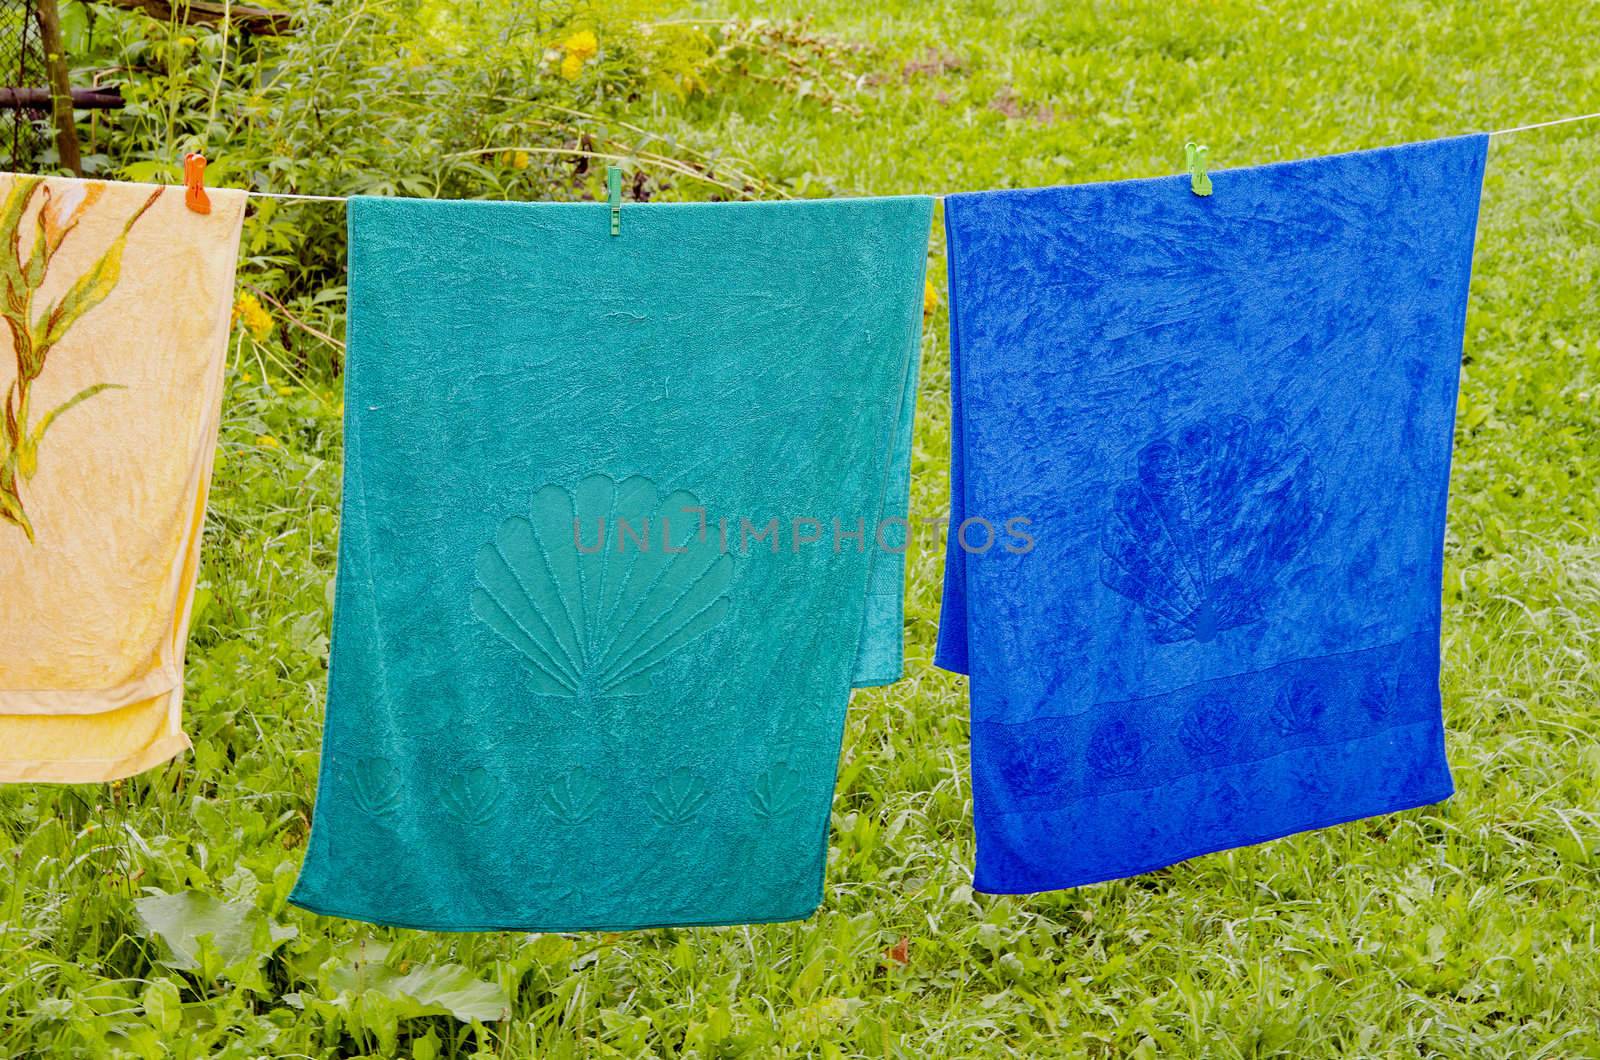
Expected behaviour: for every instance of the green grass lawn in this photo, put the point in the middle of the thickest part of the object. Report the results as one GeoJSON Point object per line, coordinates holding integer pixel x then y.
{"type": "Point", "coordinates": [1466, 929]}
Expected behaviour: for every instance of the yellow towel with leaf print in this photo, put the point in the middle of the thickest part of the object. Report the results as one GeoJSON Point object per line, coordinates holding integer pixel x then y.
{"type": "Point", "coordinates": [116, 301]}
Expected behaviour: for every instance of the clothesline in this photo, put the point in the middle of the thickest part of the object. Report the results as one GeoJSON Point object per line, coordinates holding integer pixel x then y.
{"type": "Point", "coordinates": [292, 196]}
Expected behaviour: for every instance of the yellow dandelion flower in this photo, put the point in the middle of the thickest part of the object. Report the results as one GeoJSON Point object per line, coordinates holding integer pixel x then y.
{"type": "Point", "coordinates": [582, 44]}
{"type": "Point", "coordinates": [571, 67]}
{"type": "Point", "coordinates": [519, 160]}
{"type": "Point", "coordinates": [266, 441]}
{"type": "Point", "coordinates": [254, 316]}
{"type": "Point", "coordinates": [930, 298]}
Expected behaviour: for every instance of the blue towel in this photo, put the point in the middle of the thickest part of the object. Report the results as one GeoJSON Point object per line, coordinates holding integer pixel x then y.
{"type": "Point", "coordinates": [1201, 453]}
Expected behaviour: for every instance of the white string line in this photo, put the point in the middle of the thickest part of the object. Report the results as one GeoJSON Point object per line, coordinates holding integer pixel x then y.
{"type": "Point", "coordinates": [301, 198]}
{"type": "Point", "coordinates": [1546, 124]}
{"type": "Point", "coordinates": [346, 198]}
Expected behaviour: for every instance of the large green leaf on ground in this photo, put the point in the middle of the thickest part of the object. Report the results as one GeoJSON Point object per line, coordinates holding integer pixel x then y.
{"type": "Point", "coordinates": [421, 989]}
{"type": "Point", "coordinates": [200, 931]}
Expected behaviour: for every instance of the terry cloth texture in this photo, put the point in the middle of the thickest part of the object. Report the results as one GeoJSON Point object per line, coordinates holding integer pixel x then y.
{"type": "Point", "coordinates": [116, 306]}
{"type": "Point", "coordinates": [608, 567]}
{"type": "Point", "coordinates": [1227, 423]}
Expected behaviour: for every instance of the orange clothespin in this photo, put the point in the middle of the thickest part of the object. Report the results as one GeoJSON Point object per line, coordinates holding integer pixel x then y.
{"type": "Point", "coordinates": [194, 183]}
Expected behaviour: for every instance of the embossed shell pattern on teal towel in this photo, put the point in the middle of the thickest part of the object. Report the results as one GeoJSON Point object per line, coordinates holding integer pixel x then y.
{"type": "Point", "coordinates": [531, 729]}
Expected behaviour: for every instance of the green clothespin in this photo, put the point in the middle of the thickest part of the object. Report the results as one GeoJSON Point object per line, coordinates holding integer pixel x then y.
{"type": "Point", "coordinates": [614, 197]}
{"type": "Point", "coordinates": [1199, 182]}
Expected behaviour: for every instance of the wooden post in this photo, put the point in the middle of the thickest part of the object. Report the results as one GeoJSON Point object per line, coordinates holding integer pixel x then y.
{"type": "Point", "coordinates": [44, 99]}
{"type": "Point", "coordinates": [55, 63]}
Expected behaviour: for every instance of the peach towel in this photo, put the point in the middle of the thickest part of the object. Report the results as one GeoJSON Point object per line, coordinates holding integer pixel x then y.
{"type": "Point", "coordinates": [115, 299]}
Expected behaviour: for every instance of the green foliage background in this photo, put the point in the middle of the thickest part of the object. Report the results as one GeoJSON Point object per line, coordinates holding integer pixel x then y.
{"type": "Point", "coordinates": [147, 918]}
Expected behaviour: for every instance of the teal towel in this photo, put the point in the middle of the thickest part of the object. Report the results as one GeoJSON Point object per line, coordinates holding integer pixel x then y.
{"type": "Point", "coordinates": [601, 596]}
